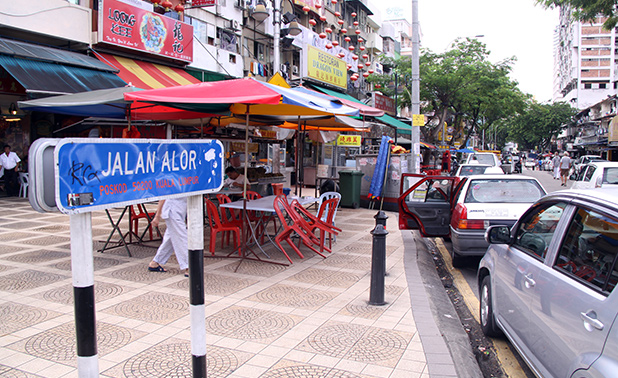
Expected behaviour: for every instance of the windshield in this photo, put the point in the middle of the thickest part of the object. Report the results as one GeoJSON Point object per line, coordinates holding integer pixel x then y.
{"type": "Point", "coordinates": [610, 175]}
{"type": "Point", "coordinates": [503, 191]}
{"type": "Point", "coordinates": [483, 159]}
{"type": "Point", "coordinates": [469, 170]}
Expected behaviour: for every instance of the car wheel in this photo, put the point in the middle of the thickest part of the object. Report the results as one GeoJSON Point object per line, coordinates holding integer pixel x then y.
{"type": "Point", "coordinates": [456, 259]}
{"type": "Point", "coordinates": [488, 322]}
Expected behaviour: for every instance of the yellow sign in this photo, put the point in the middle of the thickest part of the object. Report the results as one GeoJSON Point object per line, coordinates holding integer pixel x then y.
{"type": "Point", "coordinates": [325, 67]}
{"type": "Point", "coordinates": [418, 120]}
{"type": "Point", "coordinates": [240, 147]}
{"type": "Point", "coordinates": [349, 140]}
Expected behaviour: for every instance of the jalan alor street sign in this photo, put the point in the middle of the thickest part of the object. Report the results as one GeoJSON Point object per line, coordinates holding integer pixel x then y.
{"type": "Point", "coordinates": [96, 174]}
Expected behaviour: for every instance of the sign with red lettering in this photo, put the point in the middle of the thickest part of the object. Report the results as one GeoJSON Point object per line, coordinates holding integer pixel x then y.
{"type": "Point", "coordinates": [203, 3]}
{"type": "Point", "coordinates": [121, 24]}
{"type": "Point", "coordinates": [384, 103]}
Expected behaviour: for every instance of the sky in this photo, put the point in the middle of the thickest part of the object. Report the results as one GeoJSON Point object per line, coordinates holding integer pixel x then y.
{"type": "Point", "coordinates": [517, 28]}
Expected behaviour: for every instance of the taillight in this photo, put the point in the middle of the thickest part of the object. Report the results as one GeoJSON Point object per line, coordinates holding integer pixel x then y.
{"type": "Point", "coordinates": [459, 219]}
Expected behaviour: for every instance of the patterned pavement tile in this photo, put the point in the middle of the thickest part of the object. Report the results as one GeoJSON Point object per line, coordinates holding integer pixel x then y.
{"type": "Point", "coordinates": [172, 359]}
{"type": "Point", "coordinates": [254, 268]}
{"type": "Point", "coordinates": [37, 257]}
{"type": "Point", "coordinates": [47, 240]}
{"type": "Point", "coordinates": [64, 295]}
{"type": "Point", "coordinates": [250, 323]}
{"type": "Point", "coordinates": [16, 236]}
{"type": "Point", "coordinates": [159, 308]}
{"type": "Point", "coordinates": [28, 279]}
{"type": "Point", "coordinates": [9, 249]}
{"type": "Point", "coordinates": [23, 225]}
{"type": "Point", "coordinates": [358, 343]}
{"type": "Point", "coordinates": [217, 284]}
{"type": "Point", "coordinates": [340, 260]}
{"type": "Point", "coordinates": [326, 277]}
{"type": "Point", "coordinates": [15, 316]}
{"type": "Point", "coordinates": [99, 263]}
{"type": "Point", "coordinates": [292, 369]}
{"type": "Point", "coordinates": [54, 228]}
{"type": "Point", "coordinates": [9, 372]}
{"type": "Point", "coordinates": [58, 344]}
{"type": "Point", "coordinates": [365, 311]}
{"type": "Point", "coordinates": [293, 296]}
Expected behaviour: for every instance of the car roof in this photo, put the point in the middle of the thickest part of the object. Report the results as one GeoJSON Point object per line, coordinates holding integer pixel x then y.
{"type": "Point", "coordinates": [603, 164]}
{"type": "Point", "coordinates": [606, 196]}
{"type": "Point", "coordinates": [475, 165]}
{"type": "Point", "coordinates": [501, 177]}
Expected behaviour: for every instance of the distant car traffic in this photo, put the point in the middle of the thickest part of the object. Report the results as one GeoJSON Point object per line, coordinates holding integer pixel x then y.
{"type": "Point", "coordinates": [596, 175]}
{"type": "Point", "coordinates": [548, 283]}
{"type": "Point", "coordinates": [463, 207]}
{"type": "Point", "coordinates": [477, 169]}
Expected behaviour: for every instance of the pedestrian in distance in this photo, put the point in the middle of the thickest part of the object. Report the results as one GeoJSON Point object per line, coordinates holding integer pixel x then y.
{"type": "Point", "coordinates": [175, 239]}
{"type": "Point", "coordinates": [9, 161]}
{"type": "Point", "coordinates": [556, 163]}
{"type": "Point", "coordinates": [565, 167]}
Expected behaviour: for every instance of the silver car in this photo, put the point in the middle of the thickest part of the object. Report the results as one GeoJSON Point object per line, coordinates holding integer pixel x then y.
{"type": "Point", "coordinates": [547, 283]}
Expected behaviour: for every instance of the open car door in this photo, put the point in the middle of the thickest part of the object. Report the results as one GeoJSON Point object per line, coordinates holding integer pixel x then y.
{"type": "Point", "coordinates": [426, 203]}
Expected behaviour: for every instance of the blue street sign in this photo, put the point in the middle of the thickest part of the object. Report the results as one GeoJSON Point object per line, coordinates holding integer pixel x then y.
{"type": "Point", "coordinates": [95, 174]}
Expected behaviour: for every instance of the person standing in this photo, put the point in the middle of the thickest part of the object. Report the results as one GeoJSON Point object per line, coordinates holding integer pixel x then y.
{"type": "Point", "coordinates": [9, 161]}
{"type": "Point", "coordinates": [556, 164]}
{"type": "Point", "coordinates": [565, 167]}
{"type": "Point", "coordinates": [175, 239]}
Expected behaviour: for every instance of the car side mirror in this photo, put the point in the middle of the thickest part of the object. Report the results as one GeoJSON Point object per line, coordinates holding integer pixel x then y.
{"type": "Point", "coordinates": [498, 235]}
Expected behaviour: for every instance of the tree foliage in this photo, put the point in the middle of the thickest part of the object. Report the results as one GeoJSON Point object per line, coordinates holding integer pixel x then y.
{"type": "Point", "coordinates": [588, 10]}
{"type": "Point", "coordinates": [538, 124]}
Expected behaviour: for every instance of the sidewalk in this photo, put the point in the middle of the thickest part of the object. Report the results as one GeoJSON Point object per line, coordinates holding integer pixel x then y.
{"type": "Point", "coordinates": [309, 319]}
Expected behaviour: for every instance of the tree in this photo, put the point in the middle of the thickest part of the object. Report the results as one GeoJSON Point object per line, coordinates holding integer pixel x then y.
{"type": "Point", "coordinates": [538, 124]}
{"type": "Point", "coordinates": [588, 10]}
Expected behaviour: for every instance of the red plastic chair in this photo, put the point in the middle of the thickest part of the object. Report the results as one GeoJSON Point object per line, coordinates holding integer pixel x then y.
{"type": "Point", "coordinates": [282, 208]}
{"type": "Point", "coordinates": [218, 226]}
{"type": "Point", "coordinates": [255, 216]}
{"type": "Point", "coordinates": [229, 218]}
{"type": "Point", "coordinates": [313, 223]}
{"type": "Point", "coordinates": [326, 213]}
{"type": "Point", "coordinates": [135, 217]}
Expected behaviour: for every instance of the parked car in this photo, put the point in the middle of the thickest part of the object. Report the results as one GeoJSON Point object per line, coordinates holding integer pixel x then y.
{"type": "Point", "coordinates": [463, 207]}
{"type": "Point", "coordinates": [581, 161]}
{"type": "Point", "coordinates": [488, 158]}
{"type": "Point", "coordinates": [477, 169]}
{"type": "Point", "coordinates": [596, 175]}
{"type": "Point", "coordinates": [547, 283]}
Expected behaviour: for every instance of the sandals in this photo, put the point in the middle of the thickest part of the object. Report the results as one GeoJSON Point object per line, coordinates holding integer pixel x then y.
{"type": "Point", "coordinates": [159, 268]}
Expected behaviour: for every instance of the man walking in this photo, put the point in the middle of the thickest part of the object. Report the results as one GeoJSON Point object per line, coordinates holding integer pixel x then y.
{"type": "Point", "coordinates": [556, 163]}
{"type": "Point", "coordinates": [565, 167]}
{"type": "Point", "coordinates": [9, 161]}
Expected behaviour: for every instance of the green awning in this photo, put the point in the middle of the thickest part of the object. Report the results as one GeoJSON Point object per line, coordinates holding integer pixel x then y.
{"type": "Point", "coordinates": [402, 127]}
{"type": "Point", "coordinates": [330, 92]}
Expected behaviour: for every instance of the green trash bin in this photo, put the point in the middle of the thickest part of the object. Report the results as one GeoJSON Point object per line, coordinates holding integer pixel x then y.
{"type": "Point", "coordinates": [350, 188]}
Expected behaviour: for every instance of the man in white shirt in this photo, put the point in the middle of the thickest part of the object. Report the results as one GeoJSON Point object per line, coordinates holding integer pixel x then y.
{"type": "Point", "coordinates": [565, 167]}
{"type": "Point", "coordinates": [9, 161]}
{"type": "Point", "coordinates": [234, 179]}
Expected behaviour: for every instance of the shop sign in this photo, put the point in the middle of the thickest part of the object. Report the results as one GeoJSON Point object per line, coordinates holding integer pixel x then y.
{"type": "Point", "coordinates": [270, 134]}
{"type": "Point", "coordinates": [124, 25]}
{"type": "Point", "coordinates": [349, 140]}
{"type": "Point", "coordinates": [325, 67]}
{"type": "Point", "coordinates": [9, 85]}
{"type": "Point", "coordinates": [384, 103]}
{"type": "Point", "coordinates": [95, 174]}
{"type": "Point", "coordinates": [203, 3]}
{"type": "Point", "coordinates": [253, 148]}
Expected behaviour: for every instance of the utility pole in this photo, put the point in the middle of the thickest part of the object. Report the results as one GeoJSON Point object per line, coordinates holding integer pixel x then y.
{"type": "Point", "coordinates": [416, 89]}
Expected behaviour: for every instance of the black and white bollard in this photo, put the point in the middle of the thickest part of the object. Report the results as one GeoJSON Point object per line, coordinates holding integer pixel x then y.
{"type": "Point", "coordinates": [378, 266]}
{"type": "Point", "coordinates": [195, 231]}
{"type": "Point", "coordinates": [82, 269]}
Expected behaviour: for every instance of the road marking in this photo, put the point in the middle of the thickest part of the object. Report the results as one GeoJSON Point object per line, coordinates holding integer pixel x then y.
{"type": "Point", "coordinates": [507, 359]}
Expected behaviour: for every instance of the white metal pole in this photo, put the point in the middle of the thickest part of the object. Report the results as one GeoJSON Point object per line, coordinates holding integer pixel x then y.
{"type": "Point", "coordinates": [416, 98]}
{"type": "Point", "coordinates": [277, 36]}
{"type": "Point", "coordinates": [197, 309]}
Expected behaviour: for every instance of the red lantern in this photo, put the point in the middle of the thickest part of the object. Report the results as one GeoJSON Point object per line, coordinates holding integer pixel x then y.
{"type": "Point", "coordinates": [353, 78]}
{"type": "Point", "coordinates": [156, 2]}
{"type": "Point", "coordinates": [360, 66]}
{"type": "Point", "coordinates": [312, 22]}
{"type": "Point", "coordinates": [337, 14]}
{"type": "Point", "coordinates": [370, 71]}
{"type": "Point", "coordinates": [341, 55]}
{"type": "Point", "coordinates": [328, 30]}
{"type": "Point", "coordinates": [322, 35]}
{"type": "Point", "coordinates": [317, 5]}
{"type": "Point", "coordinates": [333, 2]}
{"type": "Point", "coordinates": [365, 74]}
{"type": "Point", "coordinates": [378, 86]}
{"type": "Point", "coordinates": [362, 48]}
{"type": "Point", "coordinates": [351, 48]}
{"type": "Point", "coordinates": [357, 31]}
{"type": "Point", "coordinates": [166, 4]}
{"type": "Point", "coordinates": [322, 18]}
{"type": "Point", "coordinates": [354, 57]}
{"type": "Point", "coordinates": [367, 64]}
{"type": "Point", "coordinates": [306, 9]}
{"type": "Point", "coordinates": [347, 39]}
{"type": "Point", "coordinates": [340, 21]}
{"type": "Point", "coordinates": [179, 8]}
{"type": "Point", "coordinates": [348, 66]}
{"type": "Point", "coordinates": [355, 23]}
{"type": "Point", "coordinates": [329, 46]}
{"type": "Point", "coordinates": [365, 56]}
{"type": "Point", "coordinates": [360, 40]}
{"type": "Point", "coordinates": [353, 14]}
{"type": "Point", "coordinates": [344, 30]}
{"type": "Point", "coordinates": [335, 43]}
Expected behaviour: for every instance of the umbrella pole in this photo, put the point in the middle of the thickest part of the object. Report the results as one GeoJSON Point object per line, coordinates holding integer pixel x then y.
{"type": "Point", "coordinates": [296, 160]}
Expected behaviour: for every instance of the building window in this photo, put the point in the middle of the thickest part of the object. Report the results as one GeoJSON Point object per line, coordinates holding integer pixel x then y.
{"type": "Point", "coordinates": [587, 86]}
{"type": "Point", "coordinates": [602, 85]}
{"type": "Point", "coordinates": [227, 41]}
{"type": "Point", "coordinates": [232, 58]}
{"type": "Point", "coordinates": [200, 30]}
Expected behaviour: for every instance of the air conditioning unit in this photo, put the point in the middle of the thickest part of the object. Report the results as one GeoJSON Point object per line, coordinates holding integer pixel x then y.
{"type": "Point", "coordinates": [295, 70]}
{"type": "Point", "coordinates": [234, 25]}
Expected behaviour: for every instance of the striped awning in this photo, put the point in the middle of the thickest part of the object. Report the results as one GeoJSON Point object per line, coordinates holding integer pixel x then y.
{"type": "Point", "coordinates": [147, 75]}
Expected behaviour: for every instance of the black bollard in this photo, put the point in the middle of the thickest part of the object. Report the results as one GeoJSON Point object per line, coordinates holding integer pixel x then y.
{"type": "Point", "coordinates": [381, 218]}
{"type": "Point", "coordinates": [378, 266]}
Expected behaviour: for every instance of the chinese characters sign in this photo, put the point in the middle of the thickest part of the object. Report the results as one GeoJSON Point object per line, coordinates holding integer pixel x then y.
{"type": "Point", "coordinates": [349, 140]}
{"type": "Point", "coordinates": [124, 25]}
{"type": "Point", "coordinates": [203, 3]}
{"type": "Point", "coordinates": [326, 68]}
{"type": "Point", "coordinates": [384, 103]}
